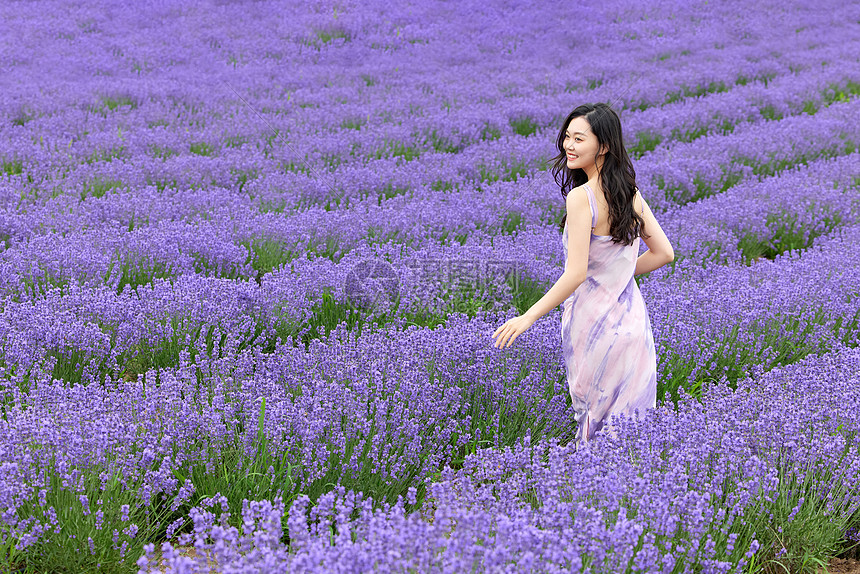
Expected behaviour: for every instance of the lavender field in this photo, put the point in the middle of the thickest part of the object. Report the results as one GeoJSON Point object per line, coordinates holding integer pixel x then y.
{"type": "Point", "coordinates": [252, 254]}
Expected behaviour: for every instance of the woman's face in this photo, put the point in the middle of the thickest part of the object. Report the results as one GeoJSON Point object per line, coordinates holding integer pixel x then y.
{"type": "Point", "coordinates": [581, 145]}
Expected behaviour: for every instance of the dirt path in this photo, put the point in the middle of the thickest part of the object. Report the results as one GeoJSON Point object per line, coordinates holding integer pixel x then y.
{"type": "Point", "coordinates": [842, 566]}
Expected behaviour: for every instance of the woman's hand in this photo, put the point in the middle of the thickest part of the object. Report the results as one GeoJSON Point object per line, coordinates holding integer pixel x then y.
{"type": "Point", "coordinates": [512, 328]}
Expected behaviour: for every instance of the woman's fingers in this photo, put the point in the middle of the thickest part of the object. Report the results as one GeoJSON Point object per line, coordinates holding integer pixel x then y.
{"type": "Point", "coordinates": [506, 335]}
{"type": "Point", "coordinates": [500, 330]}
{"type": "Point", "coordinates": [501, 341]}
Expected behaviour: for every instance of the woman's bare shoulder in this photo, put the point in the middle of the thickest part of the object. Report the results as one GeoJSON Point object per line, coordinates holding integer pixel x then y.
{"type": "Point", "coordinates": [576, 195]}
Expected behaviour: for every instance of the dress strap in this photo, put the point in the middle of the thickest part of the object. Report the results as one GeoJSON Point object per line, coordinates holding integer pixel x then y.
{"type": "Point", "coordinates": [591, 204]}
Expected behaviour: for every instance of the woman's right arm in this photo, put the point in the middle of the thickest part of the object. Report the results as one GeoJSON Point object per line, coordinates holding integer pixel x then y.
{"type": "Point", "coordinates": [660, 251]}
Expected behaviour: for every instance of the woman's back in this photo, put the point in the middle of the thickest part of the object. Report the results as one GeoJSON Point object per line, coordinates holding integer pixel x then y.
{"type": "Point", "coordinates": [599, 205]}
{"type": "Point", "coordinates": [607, 343]}
{"type": "Point", "coordinates": [610, 265]}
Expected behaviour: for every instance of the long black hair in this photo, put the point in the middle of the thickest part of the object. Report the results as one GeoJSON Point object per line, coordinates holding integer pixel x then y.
{"type": "Point", "coordinates": [617, 174]}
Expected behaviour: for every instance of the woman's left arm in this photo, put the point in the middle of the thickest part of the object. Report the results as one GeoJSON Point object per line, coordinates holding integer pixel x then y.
{"type": "Point", "coordinates": [578, 239]}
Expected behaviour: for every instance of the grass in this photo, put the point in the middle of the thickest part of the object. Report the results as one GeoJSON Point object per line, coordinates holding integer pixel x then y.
{"type": "Point", "coordinates": [512, 222]}
{"type": "Point", "coordinates": [834, 92]}
{"type": "Point", "coordinates": [99, 186]}
{"type": "Point", "coordinates": [114, 103]}
{"type": "Point", "coordinates": [39, 282]}
{"type": "Point", "coordinates": [524, 126]}
{"type": "Point", "coordinates": [110, 104]}
{"type": "Point", "coordinates": [682, 195]}
{"type": "Point", "coordinates": [390, 190]}
{"type": "Point", "coordinates": [201, 148]}
{"type": "Point", "coordinates": [353, 124]}
{"type": "Point", "coordinates": [799, 531]}
{"type": "Point", "coordinates": [266, 255]}
{"type": "Point", "coordinates": [162, 152]}
{"type": "Point", "coordinates": [243, 176]}
{"type": "Point", "coordinates": [784, 341]}
{"type": "Point", "coordinates": [785, 235]}
{"type": "Point", "coordinates": [107, 155]}
{"type": "Point", "coordinates": [12, 167]}
{"type": "Point", "coordinates": [645, 142]}
{"type": "Point", "coordinates": [78, 366]}
{"type": "Point", "coordinates": [92, 533]}
{"type": "Point", "coordinates": [443, 144]}
{"type": "Point", "coordinates": [695, 91]}
{"type": "Point", "coordinates": [512, 171]}
{"type": "Point", "coordinates": [841, 93]}
{"type": "Point", "coordinates": [326, 36]}
{"type": "Point", "coordinates": [684, 91]}
{"type": "Point", "coordinates": [24, 117]}
{"type": "Point", "coordinates": [264, 473]}
{"type": "Point", "coordinates": [396, 149]}
{"type": "Point", "coordinates": [135, 274]}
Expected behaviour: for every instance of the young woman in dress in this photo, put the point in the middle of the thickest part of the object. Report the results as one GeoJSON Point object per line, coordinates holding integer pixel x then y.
{"type": "Point", "coordinates": [606, 335]}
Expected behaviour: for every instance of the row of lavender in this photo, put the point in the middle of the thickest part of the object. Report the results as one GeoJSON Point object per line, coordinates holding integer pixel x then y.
{"type": "Point", "coordinates": [67, 189]}
{"type": "Point", "coordinates": [235, 240]}
{"type": "Point", "coordinates": [114, 272]}
{"type": "Point", "coordinates": [48, 147]}
{"type": "Point", "coordinates": [709, 322]}
{"type": "Point", "coordinates": [412, 52]}
{"type": "Point", "coordinates": [737, 482]}
{"type": "Point", "coordinates": [379, 412]}
{"type": "Point", "coordinates": [85, 333]}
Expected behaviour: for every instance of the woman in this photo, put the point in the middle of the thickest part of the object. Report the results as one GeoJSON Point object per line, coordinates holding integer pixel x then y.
{"type": "Point", "coordinates": [606, 335]}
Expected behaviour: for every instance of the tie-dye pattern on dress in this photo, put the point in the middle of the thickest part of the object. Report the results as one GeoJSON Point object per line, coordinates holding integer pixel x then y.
{"type": "Point", "coordinates": [607, 343]}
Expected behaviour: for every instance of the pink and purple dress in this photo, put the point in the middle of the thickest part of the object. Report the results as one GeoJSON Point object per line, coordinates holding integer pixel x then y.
{"type": "Point", "coordinates": [606, 337]}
